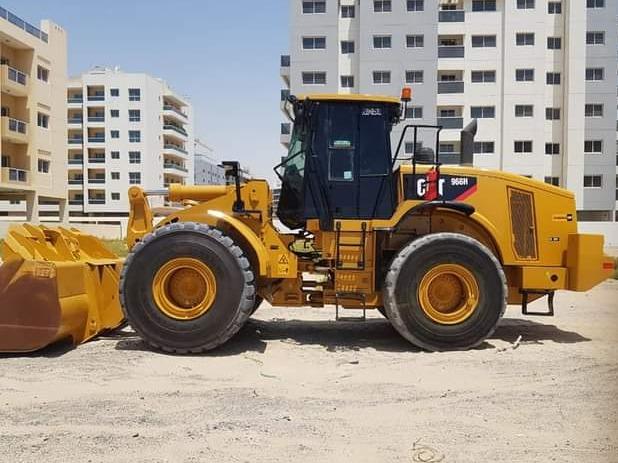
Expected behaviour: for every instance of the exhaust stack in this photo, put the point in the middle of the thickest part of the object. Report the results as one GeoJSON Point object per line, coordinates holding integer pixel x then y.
{"type": "Point", "coordinates": [467, 143]}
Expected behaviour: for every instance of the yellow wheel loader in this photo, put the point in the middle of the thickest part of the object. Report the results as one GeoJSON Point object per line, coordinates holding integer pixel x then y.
{"type": "Point", "coordinates": [440, 250]}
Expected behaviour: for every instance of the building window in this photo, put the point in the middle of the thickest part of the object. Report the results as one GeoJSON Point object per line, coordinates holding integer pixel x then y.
{"type": "Point", "coordinates": [555, 181]}
{"type": "Point", "coordinates": [115, 134]}
{"type": "Point", "coordinates": [314, 78]}
{"type": "Point", "coordinates": [409, 146]}
{"type": "Point", "coordinates": [554, 7]}
{"type": "Point", "coordinates": [135, 115]}
{"type": "Point", "coordinates": [524, 110]}
{"type": "Point", "coordinates": [347, 47]}
{"type": "Point", "coordinates": [114, 92]}
{"type": "Point", "coordinates": [552, 78]}
{"type": "Point", "coordinates": [595, 38]}
{"type": "Point", "coordinates": [135, 136]}
{"type": "Point", "coordinates": [552, 149]}
{"type": "Point", "coordinates": [381, 41]}
{"type": "Point", "coordinates": [115, 196]}
{"type": "Point", "coordinates": [42, 120]}
{"type": "Point", "coordinates": [416, 5]}
{"type": "Point", "coordinates": [595, 3]}
{"type": "Point", "coordinates": [483, 76]}
{"type": "Point", "coordinates": [524, 38]}
{"type": "Point", "coordinates": [593, 146]}
{"type": "Point", "coordinates": [554, 43]}
{"type": "Point", "coordinates": [524, 146]}
{"type": "Point", "coordinates": [314, 7]}
{"type": "Point", "coordinates": [43, 166]}
{"type": "Point", "coordinates": [483, 5]}
{"type": "Point", "coordinates": [414, 77]}
{"type": "Point", "coordinates": [414, 112]}
{"type": "Point", "coordinates": [482, 112]}
{"type": "Point", "coordinates": [115, 154]}
{"type": "Point", "coordinates": [415, 41]}
{"type": "Point", "coordinates": [347, 81]}
{"type": "Point", "coordinates": [381, 77]}
{"type": "Point", "coordinates": [594, 110]}
{"type": "Point", "coordinates": [595, 74]}
{"type": "Point", "coordinates": [525, 4]}
{"type": "Point", "coordinates": [382, 6]}
{"type": "Point", "coordinates": [135, 157]}
{"type": "Point", "coordinates": [524, 75]}
{"type": "Point", "coordinates": [483, 41]}
{"type": "Point", "coordinates": [114, 113]}
{"type": "Point", "coordinates": [593, 181]}
{"type": "Point", "coordinates": [115, 175]}
{"type": "Point", "coordinates": [552, 114]}
{"type": "Point", "coordinates": [348, 11]}
{"type": "Point", "coordinates": [135, 178]}
{"type": "Point", "coordinates": [484, 147]}
{"type": "Point", "coordinates": [314, 43]}
{"type": "Point", "coordinates": [135, 94]}
{"type": "Point", "coordinates": [42, 74]}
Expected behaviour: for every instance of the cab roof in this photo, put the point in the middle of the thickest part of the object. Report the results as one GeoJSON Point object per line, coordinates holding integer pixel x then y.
{"type": "Point", "coordinates": [351, 97]}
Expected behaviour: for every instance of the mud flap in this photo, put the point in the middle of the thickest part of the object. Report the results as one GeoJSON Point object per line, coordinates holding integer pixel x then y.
{"type": "Point", "coordinates": [56, 284]}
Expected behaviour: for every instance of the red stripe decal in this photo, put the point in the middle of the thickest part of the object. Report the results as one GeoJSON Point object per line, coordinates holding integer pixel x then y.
{"type": "Point", "coordinates": [466, 194]}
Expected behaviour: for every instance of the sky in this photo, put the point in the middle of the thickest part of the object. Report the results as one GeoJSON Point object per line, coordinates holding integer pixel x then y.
{"type": "Point", "coordinates": [223, 55]}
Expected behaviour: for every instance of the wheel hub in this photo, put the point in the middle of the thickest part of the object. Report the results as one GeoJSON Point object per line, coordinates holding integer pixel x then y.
{"type": "Point", "coordinates": [184, 288]}
{"type": "Point", "coordinates": [448, 294]}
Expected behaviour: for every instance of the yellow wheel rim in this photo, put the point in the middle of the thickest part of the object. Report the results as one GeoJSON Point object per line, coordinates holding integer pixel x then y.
{"type": "Point", "coordinates": [448, 294]}
{"type": "Point", "coordinates": [184, 288]}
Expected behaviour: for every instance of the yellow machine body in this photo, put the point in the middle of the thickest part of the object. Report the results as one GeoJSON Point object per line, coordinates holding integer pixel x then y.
{"type": "Point", "coordinates": [55, 284]}
{"type": "Point", "coordinates": [531, 227]}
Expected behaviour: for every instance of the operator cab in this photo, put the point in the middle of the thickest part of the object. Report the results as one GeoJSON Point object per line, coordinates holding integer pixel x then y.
{"type": "Point", "coordinates": [339, 164]}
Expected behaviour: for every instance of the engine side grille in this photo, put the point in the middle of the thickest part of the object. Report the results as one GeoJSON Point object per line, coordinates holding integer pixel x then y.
{"type": "Point", "coordinates": [523, 223]}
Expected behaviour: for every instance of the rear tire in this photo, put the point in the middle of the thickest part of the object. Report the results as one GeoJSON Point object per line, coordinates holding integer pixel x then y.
{"type": "Point", "coordinates": [227, 292]}
{"type": "Point", "coordinates": [463, 306]}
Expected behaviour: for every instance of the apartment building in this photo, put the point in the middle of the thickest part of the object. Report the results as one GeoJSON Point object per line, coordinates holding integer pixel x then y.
{"type": "Point", "coordinates": [33, 64]}
{"type": "Point", "coordinates": [207, 169]}
{"type": "Point", "coordinates": [538, 75]}
{"type": "Point", "coordinates": [124, 129]}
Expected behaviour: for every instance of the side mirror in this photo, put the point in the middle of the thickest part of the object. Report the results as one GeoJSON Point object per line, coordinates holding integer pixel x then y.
{"type": "Point", "coordinates": [467, 143]}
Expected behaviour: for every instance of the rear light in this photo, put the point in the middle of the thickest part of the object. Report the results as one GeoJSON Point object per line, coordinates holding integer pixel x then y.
{"type": "Point", "coordinates": [608, 266]}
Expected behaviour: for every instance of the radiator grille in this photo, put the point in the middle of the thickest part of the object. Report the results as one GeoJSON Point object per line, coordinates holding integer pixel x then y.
{"type": "Point", "coordinates": [523, 224]}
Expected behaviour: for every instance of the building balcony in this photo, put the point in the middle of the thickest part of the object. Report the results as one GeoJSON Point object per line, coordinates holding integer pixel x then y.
{"type": "Point", "coordinates": [76, 181]}
{"type": "Point", "coordinates": [14, 130]}
{"type": "Point", "coordinates": [96, 139]}
{"type": "Point", "coordinates": [96, 160]}
{"type": "Point", "coordinates": [75, 99]}
{"type": "Point", "coordinates": [76, 202]}
{"type": "Point", "coordinates": [173, 111]}
{"type": "Point", "coordinates": [175, 149]}
{"type": "Point", "coordinates": [96, 201]}
{"type": "Point", "coordinates": [450, 122]}
{"type": "Point", "coordinates": [13, 175]}
{"type": "Point", "coordinates": [96, 119]}
{"type": "Point", "coordinates": [76, 161]}
{"type": "Point", "coordinates": [75, 141]}
{"type": "Point", "coordinates": [176, 129]}
{"type": "Point", "coordinates": [174, 168]}
{"type": "Point", "coordinates": [96, 97]}
{"type": "Point", "coordinates": [285, 68]}
{"type": "Point", "coordinates": [75, 120]}
{"type": "Point", "coordinates": [451, 51]}
{"type": "Point", "coordinates": [26, 26]}
{"type": "Point", "coordinates": [96, 181]}
{"type": "Point", "coordinates": [449, 157]}
{"type": "Point", "coordinates": [452, 16]}
{"type": "Point", "coordinates": [14, 81]}
{"type": "Point", "coordinates": [450, 87]}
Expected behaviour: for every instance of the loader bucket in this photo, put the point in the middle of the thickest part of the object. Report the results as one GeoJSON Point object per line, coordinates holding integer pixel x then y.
{"type": "Point", "coordinates": [55, 284]}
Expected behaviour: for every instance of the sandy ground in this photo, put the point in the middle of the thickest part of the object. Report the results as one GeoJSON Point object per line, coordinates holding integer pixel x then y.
{"type": "Point", "coordinates": [295, 386]}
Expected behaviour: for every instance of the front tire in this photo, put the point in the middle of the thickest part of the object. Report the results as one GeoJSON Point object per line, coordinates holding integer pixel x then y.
{"type": "Point", "coordinates": [445, 291]}
{"type": "Point", "coordinates": [187, 288]}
